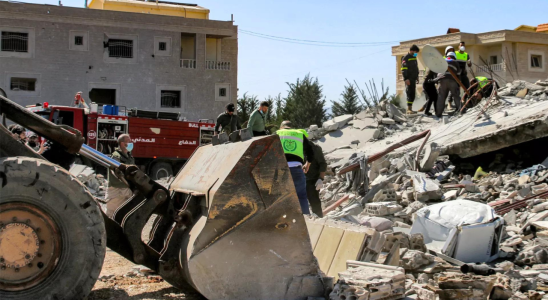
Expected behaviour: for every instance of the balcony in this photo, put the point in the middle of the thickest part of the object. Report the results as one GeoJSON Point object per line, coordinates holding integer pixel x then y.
{"type": "Point", "coordinates": [217, 65]}
{"type": "Point", "coordinates": [188, 63]}
{"type": "Point", "coordinates": [491, 68]}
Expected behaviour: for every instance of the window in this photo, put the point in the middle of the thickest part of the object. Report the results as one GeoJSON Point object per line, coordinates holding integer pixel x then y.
{"type": "Point", "coordinates": [78, 40]}
{"type": "Point", "coordinates": [23, 84]}
{"type": "Point", "coordinates": [222, 92]}
{"type": "Point", "coordinates": [536, 61]}
{"type": "Point", "coordinates": [493, 60]}
{"type": "Point", "coordinates": [15, 41]}
{"type": "Point", "coordinates": [162, 46]}
{"type": "Point", "coordinates": [119, 48]}
{"type": "Point", "coordinates": [170, 99]}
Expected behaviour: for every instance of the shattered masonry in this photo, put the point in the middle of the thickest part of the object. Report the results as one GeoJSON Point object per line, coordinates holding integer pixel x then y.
{"type": "Point", "coordinates": [415, 225]}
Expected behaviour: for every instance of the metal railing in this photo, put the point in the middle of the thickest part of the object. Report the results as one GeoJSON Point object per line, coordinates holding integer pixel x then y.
{"type": "Point", "coordinates": [15, 41]}
{"type": "Point", "coordinates": [217, 65]}
{"type": "Point", "coordinates": [188, 63]}
{"type": "Point", "coordinates": [494, 68]}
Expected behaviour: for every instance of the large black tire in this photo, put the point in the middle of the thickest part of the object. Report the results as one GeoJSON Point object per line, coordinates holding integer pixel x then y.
{"type": "Point", "coordinates": [78, 218]}
{"type": "Point", "coordinates": [161, 170]}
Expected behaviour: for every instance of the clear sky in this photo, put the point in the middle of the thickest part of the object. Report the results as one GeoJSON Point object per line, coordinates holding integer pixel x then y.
{"type": "Point", "coordinates": [264, 65]}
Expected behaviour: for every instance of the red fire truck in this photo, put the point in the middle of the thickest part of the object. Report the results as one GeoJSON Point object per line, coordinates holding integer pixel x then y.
{"type": "Point", "coordinates": [162, 143]}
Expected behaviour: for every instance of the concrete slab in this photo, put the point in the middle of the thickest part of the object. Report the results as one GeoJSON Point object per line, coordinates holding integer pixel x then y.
{"type": "Point", "coordinates": [314, 231]}
{"type": "Point", "coordinates": [327, 246]}
{"type": "Point", "coordinates": [349, 249]}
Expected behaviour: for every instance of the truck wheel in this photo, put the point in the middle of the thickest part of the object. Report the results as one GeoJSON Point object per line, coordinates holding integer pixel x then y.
{"type": "Point", "coordinates": [52, 233]}
{"type": "Point", "coordinates": [161, 170]}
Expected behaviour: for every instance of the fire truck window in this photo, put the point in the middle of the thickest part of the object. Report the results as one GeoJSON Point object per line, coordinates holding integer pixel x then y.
{"type": "Point", "coordinates": [66, 118]}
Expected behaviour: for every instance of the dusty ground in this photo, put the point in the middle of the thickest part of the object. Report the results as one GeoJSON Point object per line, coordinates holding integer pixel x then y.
{"type": "Point", "coordinates": [121, 280]}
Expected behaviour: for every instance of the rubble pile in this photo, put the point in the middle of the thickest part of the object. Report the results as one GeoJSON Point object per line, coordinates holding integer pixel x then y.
{"type": "Point", "coordinates": [96, 183]}
{"type": "Point", "coordinates": [458, 236]}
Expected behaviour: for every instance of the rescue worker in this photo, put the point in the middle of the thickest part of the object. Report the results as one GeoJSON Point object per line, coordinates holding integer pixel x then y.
{"type": "Point", "coordinates": [79, 101]}
{"type": "Point", "coordinates": [296, 146]}
{"type": "Point", "coordinates": [430, 91]}
{"type": "Point", "coordinates": [448, 84]}
{"type": "Point", "coordinates": [314, 180]}
{"type": "Point", "coordinates": [227, 121]}
{"type": "Point", "coordinates": [447, 50]}
{"type": "Point", "coordinates": [464, 60]}
{"type": "Point", "coordinates": [122, 153]}
{"type": "Point", "coordinates": [33, 142]}
{"type": "Point", "coordinates": [486, 89]}
{"type": "Point", "coordinates": [410, 73]}
{"type": "Point", "coordinates": [257, 120]}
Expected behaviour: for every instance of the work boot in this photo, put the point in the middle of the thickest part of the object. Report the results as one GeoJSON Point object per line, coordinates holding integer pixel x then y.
{"type": "Point", "coordinates": [422, 108]}
{"type": "Point", "coordinates": [410, 110]}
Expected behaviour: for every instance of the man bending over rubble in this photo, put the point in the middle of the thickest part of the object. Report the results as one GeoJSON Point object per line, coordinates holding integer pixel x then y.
{"type": "Point", "coordinates": [296, 145]}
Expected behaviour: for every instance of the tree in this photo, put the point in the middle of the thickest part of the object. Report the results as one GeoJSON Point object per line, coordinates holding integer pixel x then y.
{"type": "Point", "coordinates": [305, 103]}
{"type": "Point", "coordinates": [280, 104]}
{"type": "Point", "coordinates": [349, 103]}
{"type": "Point", "coordinates": [246, 105]}
{"type": "Point", "coordinates": [270, 114]}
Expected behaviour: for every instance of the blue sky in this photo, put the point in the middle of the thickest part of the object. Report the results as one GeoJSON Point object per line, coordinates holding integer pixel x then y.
{"type": "Point", "coordinates": [265, 65]}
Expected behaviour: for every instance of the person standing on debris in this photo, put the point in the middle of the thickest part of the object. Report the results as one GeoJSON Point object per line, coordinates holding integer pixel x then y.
{"type": "Point", "coordinates": [410, 73]}
{"type": "Point", "coordinates": [296, 146]}
{"type": "Point", "coordinates": [122, 153]}
{"type": "Point", "coordinates": [257, 120]}
{"type": "Point", "coordinates": [79, 101]}
{"type": "Point", "coordinates": [227, 122]}
{"type": "Point", "coordinates": [464, 60]}
{"type": "Point", "coordinates": [448, 84]}
{"type": "Point", "coordinates": [430, 91]}
{"type": "Point", "coordinates": [314, 180]}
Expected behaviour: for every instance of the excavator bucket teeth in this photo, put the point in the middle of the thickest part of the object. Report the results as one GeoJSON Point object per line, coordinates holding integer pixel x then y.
{"type": "Point", "coordinates": [251, 239]}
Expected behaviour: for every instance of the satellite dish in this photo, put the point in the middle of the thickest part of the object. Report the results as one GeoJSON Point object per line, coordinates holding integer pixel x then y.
{"type": "Point", "coordinates": [432, 59]}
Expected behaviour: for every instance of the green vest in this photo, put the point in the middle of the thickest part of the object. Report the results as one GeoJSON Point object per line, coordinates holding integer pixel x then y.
{"type": "Point", "coordinates": [462, 57]}
{"type": "Point", "coordinates": [292, 141]}
{"type": "Point", "coordinates": [483, 81]}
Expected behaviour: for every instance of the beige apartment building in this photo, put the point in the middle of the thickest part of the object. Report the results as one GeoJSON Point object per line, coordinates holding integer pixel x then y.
{"type": "Point", "coordinates": [509, 55]}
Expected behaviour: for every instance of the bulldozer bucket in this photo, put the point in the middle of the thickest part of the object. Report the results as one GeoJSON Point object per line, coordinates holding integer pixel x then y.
{"type": "Point", "coordinates": [250, 240]}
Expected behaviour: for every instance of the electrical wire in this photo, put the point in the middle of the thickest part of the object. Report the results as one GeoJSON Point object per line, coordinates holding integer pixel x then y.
{"type": "Point", "coordinates": [315, 43]}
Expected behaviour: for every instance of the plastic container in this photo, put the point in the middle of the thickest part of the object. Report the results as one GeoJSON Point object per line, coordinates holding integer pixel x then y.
{"type": "Point", "coordinates": [107, 109]}
{"type": "Point", "coordinates": [94, 107]}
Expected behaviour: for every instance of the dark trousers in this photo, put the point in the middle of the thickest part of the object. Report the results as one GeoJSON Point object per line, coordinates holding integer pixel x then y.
{"type": "Point", "coordinates": [447, 85]}
{"type": "Point", "coordinates": [259, 133]}
{"type": "Point", "coordinates": [431, 96]}
{"type": "Point", "coordinates": [314, 197]}
{"type": "Point", "coordinates": [299, 180]}
{"type": "Point", "coordinates": [465, 81]}
{"type": "Point", "coordinates": [410, 91]}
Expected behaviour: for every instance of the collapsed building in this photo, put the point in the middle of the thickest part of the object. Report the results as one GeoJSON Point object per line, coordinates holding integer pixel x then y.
{"type": "Point", "coordinates": [449, 208]}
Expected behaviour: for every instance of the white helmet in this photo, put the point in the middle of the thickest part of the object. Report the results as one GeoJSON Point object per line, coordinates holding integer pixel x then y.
{"type": "Point", "coordinates": [452, 54]}
{"type": "Point", "coordinates": [449, 47]}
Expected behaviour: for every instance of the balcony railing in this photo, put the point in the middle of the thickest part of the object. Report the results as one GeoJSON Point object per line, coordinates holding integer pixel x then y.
{"type": "Point", "coordinates": [494, 68]}
{"type": "Point", "coordinates": [217, 65]}
{"type": "Point", "coordinates": [188, 63]}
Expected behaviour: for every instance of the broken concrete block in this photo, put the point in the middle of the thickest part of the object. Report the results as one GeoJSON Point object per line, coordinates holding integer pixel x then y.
{"type": "Point", "coordinates": [523, 179]}
{"type": "Point", "coordinates": [395, 113]}
{"type": "Point", "coordinates": [380, 209]}
{"type": "Point", "coordinates": [370, 281]}
{"type": "Point", "coordinates": [425, 189]}
{"type": "Point", "coordinates": [388, 121]}
{"type": "Point", "coordinates": [378, 133]}
{"type": "Point", "coordinates": [431, 153]}
{"type": "Point", "coordinates": [330, 125]}
{"type": "Point", "coordinates": [522, 93]}
{"type": "Point", "coordinates": [414, 259]}
{"type": "Point", "coordinates": [379, 224]}
{"type": "Point", "coordinates": [450, 195]}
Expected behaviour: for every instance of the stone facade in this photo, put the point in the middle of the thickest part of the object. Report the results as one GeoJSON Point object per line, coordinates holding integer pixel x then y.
{"type": "Point", "coordinates": [507, 52]}
{"type": "Point", "coordinates": [60, 68]}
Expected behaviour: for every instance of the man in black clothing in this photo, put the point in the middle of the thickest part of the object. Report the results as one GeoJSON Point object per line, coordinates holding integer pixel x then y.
{"type": "Point", "coordinates": [227, 121]}
{"type": "Point", "coordinates": [410, 72]}
{"type": "Point", "coordinates": [430, 91]}
{"type": "Point", "coordinates": [314, 180]}
{"type": "Point", "coordinates": [449, 84]}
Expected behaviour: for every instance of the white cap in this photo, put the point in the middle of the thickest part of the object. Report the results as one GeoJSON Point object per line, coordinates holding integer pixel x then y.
{"type": "Point", "coordinates": [452, 54]}
{"type": "Point", "coordinates": [449, 47]}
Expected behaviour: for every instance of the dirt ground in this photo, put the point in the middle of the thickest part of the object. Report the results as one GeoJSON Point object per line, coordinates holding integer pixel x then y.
{"type": "Point", "coordinates": [121, 279]}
